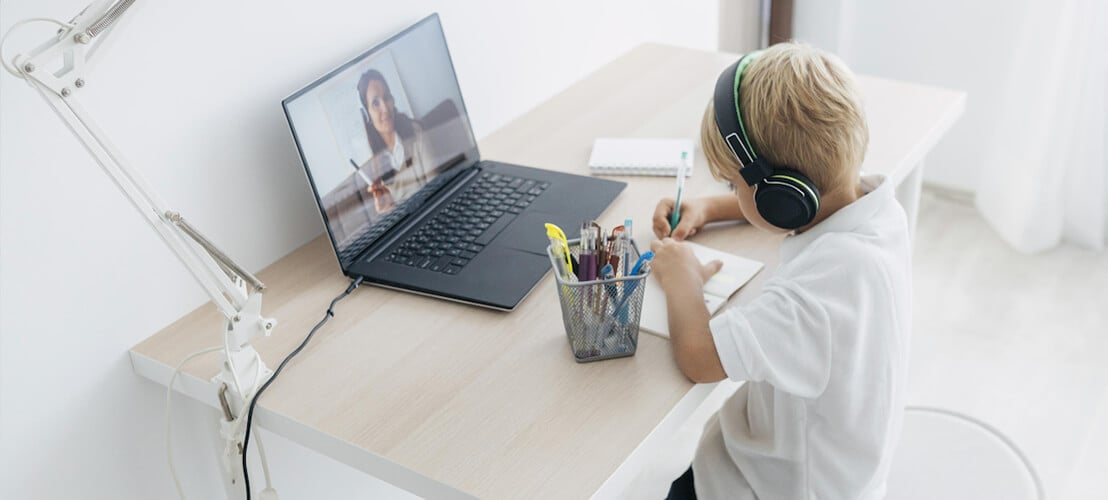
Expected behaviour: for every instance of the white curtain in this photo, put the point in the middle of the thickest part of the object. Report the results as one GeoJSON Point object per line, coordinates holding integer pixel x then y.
{"type": "Point", "coordinates": [1045, 181]}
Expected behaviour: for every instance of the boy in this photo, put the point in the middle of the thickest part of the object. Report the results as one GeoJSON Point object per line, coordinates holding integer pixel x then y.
{"type": "Point", "coordinates": [824, 347]}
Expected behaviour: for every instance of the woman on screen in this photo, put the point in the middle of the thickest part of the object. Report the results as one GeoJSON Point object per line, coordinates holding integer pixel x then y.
{"type": "Point", "coordinates": [399, 150]}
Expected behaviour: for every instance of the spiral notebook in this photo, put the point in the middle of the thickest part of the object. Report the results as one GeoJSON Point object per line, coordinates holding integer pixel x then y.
{"type": "Point", "coordinates": [659, 157]}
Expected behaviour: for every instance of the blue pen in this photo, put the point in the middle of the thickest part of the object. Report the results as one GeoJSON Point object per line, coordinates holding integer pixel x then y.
{"type": "Point", "coordinates": [642, 260]}
{"type": "Point", "coordinates": [626, 247]}
{"type": "Point", "coordinates": [630, 287]}
{"type": "Point", "coordinates": [675, 217]}
{"type": "Point", "coordinates": [607, 273]}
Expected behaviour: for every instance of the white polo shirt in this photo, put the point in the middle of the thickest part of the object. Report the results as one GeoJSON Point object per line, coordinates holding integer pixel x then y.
{"type": "Point", "coordinates": [824, 353]}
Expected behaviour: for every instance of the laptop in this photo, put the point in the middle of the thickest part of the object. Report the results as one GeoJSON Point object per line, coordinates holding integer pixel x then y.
{"type": "Point", "coordinates": [406, 198]}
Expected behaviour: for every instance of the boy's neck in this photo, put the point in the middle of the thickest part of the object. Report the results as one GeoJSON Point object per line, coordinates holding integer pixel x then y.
{"type": "Point", "coordinates": [832, 202]}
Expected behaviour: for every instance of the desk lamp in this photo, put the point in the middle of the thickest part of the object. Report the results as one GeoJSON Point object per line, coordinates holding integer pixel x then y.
{"type": "Point", "coordinates": [234, 291]}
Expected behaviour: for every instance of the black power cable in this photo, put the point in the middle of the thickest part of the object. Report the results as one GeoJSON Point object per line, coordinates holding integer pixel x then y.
{"type": "Point", "coordinates": [254, 402]}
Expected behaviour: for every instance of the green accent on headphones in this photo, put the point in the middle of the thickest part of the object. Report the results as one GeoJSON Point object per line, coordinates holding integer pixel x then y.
{"type": "Point", "coordinates": [800, 183]}
{"type": "Point", "coordinates": [738, 80]}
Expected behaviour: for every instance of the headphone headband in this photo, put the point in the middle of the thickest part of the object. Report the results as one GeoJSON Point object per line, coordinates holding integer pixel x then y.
{"type": "Point", "coordinates": [729, 120]}
{"type": "Point", "coordinates": [784, 197]}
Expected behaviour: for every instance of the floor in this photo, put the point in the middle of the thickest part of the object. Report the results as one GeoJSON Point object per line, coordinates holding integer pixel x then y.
{"type": "Point", "coordinates": [1018, 341]}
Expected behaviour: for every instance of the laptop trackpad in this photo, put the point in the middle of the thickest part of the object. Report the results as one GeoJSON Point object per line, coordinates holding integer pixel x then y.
{"type": "Point", "coordinates": [527, 232]}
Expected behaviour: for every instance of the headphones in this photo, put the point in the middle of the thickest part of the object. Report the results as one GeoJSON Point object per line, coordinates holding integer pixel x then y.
{"type": "Point", "coordinates": [784, 197]}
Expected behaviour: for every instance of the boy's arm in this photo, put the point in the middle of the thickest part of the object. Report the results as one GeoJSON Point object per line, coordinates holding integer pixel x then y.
{"type": "Point", "coordinates": [722, 207]}
{"type": "Point", "coordinates": [682, 278]}
{"type": "Point", "coordinates": [693, 345]}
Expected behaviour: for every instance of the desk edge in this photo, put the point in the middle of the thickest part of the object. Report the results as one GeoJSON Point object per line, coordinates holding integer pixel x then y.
{"type": "Point", "coordinates": [204, 391]}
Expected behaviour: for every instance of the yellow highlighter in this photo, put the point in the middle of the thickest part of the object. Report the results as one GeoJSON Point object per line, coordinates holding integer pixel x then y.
{"type": "Point", "coordinates": [558, 238]}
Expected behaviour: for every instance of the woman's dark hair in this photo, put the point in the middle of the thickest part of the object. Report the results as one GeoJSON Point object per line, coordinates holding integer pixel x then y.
{"type": "Point", "coordinates": [402, 123]}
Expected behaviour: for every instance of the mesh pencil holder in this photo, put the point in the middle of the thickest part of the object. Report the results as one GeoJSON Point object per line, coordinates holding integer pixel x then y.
{"type": "Point", "coordinates": [601, 317]}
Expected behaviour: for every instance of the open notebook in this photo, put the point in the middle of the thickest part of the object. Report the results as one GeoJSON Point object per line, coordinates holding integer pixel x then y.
{"type": "Point", "coordinates": [735, 273]}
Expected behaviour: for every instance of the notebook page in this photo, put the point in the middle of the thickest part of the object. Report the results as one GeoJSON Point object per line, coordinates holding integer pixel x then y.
{"type": "Point", "coordinates": [735, 273]}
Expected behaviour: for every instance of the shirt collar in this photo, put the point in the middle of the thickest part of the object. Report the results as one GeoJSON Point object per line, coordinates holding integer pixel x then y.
{"type": "Point", "coordinates": [877, 190]}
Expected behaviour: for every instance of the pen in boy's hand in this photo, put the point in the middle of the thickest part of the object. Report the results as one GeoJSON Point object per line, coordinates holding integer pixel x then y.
{"type": "Point", "coordinates": [675, 216]}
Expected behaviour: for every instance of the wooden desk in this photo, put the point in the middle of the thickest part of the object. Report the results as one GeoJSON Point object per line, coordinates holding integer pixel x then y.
{"type": "Point", "coordinates": [448, 400]}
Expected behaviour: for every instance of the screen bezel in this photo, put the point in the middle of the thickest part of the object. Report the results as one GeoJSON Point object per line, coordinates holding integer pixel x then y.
{"type": "Point", "coordinates": [469, 157]}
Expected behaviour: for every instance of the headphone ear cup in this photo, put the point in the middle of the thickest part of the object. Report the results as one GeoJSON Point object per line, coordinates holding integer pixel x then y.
{"type": "Point", "coordinates": [787, 199]}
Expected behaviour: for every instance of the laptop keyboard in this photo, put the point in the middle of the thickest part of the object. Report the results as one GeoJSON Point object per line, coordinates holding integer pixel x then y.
{"type": "Point", "coordinates": [458, 232]}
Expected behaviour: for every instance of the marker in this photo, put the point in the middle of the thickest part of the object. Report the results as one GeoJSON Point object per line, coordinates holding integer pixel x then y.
{"type": "Point", "coordinates": [558, 239]}
{"type": "Point", "coordinates": [675, 217]}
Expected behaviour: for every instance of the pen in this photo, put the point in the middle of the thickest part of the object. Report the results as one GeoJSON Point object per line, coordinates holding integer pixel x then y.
{"type": "Point", "coordinates": [615, 250]}
{"type": "Point", "coordinates": [643, 259]}
{"type": "Point", "coordinates": [587, 270]}
{"type": "Point", "coordinates": [607, 326]}
{"type": "Point", "coordinates": [606, 272]}
{"type": "Point", "coordinates": [639, 267]}
{"type": "Point", "coordinates": [675, 217]}
{"type": "Point", "coordinates": [359, 171]}
{"type": "Point", "coordinates": [598, 243]}
{"type": "Point", "coordinates": [626, 246]}
{"type": "Point", "coordinates": [636, 269]}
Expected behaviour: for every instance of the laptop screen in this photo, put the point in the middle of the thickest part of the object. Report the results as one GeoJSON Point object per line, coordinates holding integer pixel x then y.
{"type": "Point", "coordinates": [381, 133]}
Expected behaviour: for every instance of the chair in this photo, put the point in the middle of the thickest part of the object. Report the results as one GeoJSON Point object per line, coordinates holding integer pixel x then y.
{"type": "Point", "coordinates": [947, 455]}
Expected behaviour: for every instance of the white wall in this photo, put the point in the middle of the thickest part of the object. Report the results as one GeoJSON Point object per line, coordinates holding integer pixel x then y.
{"type": "Point", "coordinates": [740, 23]}
{"type": "Point", "coordinates": [949, 43]}
{"type": "Point", "coordinates": [190, 91]}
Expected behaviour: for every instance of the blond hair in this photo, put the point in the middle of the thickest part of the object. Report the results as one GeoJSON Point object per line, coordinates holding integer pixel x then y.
{"type": "Point", "coordinates": [802, 109]}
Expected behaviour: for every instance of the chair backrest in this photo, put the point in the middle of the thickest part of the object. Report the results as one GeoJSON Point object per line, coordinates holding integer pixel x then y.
{"type": "Point", "coordinates": [943, 454]}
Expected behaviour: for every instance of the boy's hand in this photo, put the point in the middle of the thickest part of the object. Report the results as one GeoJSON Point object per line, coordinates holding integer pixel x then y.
{"type": "Point", "coordinates": [693, 217]}
{"type": "Point", "coordinates": [677, 268]}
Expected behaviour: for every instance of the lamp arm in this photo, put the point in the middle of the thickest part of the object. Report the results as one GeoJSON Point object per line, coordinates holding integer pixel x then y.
{"type": "Point", "coordinates": [227, 283]}
{"type": "Point", "coordinates": [235, 292]}
{"type": "Point", "coordinates": [226, 292]}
